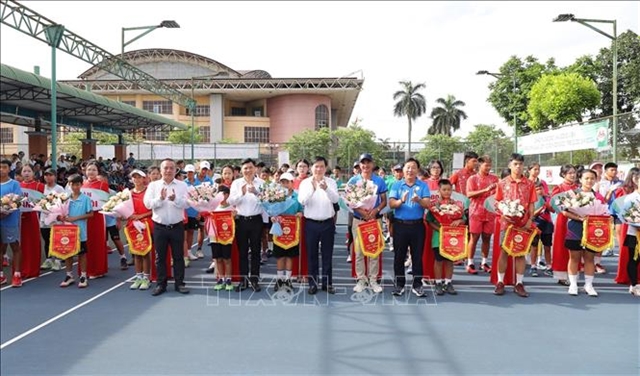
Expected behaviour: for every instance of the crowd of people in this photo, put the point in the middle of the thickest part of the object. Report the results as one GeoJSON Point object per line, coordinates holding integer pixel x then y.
{"type": "Point", "coordinates": [403, 199]}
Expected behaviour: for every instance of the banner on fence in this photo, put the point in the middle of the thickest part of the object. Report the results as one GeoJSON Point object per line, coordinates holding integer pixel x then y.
{"type": "Point", "coordinates": [576, 137]}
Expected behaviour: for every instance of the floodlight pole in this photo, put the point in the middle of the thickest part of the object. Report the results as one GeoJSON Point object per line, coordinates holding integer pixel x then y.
{"type": "Point", "coordinates": [148, 29]}
{"type": "Point", "coordinates": [614, 38]}
{"type": "Point", "coordinates": [515, 114]}
{"type": "Point", "coordinates": [54, 36]}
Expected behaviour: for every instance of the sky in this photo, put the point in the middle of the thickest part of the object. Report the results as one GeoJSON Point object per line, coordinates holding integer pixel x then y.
{"type": "Point", "coordinates": [441, 44]}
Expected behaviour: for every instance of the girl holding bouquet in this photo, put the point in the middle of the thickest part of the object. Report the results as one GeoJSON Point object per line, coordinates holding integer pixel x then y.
{"type": "Point", "coordinates": [97, 262]}
{"type": "Point", "coordinates": [560, 254]}
{"type": "Point", "coordinates": [573, 240]}
{"type": "Point", "coordinates": [629, 252]}
{"type": "Point", "coordinates": [542, 220]}
{"type": "Point", "coordinates": [629, 186]}
{"type": "Point", "coordinates": [31, 246]}
{"type": "Point", "coordinates": [141, 263]}
{"type": "Point", "coordinates": [284, 256]}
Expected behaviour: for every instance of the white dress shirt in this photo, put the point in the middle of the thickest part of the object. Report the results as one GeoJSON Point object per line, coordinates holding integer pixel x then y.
{"type": "Point", "coordinates": [165, 211]}
{"type": "Point", "coordinates": [317, 202]}
{"type": "Point", "coordinates": [248, 204]}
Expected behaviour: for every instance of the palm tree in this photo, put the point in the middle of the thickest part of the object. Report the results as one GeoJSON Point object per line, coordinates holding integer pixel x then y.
{"type": "Point", "coordinates": [447, 117]}
{"type": "Point", "coordinates": [410, 103]}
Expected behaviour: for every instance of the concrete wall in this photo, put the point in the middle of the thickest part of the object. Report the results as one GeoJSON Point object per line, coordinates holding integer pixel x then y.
{"type": "Point", "coordinates": [291, 114]}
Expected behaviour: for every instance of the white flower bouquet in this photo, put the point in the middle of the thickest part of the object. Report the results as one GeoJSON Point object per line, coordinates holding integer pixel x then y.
{"type": "Point", "coordinates": [119, 205]}
{"type": "Point", "coordinates": [204, 197]}
{"type": "Point", "coordinates": [11, 202]}
{"type": "Point", "coordinates": [445, 213]}
{"type": "Point", "coordinates": [361, 195]}
{"type": "Point", "coordinates": [513, 210]}
{"type": "Point", "coordinates": [628, 210]}
{"type": "Point", "coordinates": [275, 200]}
{"type": "Point", "coordinates": [52, 206]}
{"type": "Point", "coordinates": [579, 203]}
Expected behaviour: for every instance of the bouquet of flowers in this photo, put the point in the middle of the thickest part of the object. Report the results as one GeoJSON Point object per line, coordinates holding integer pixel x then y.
{"type": "Point", "coordinates": [204, 197]}
{"type": "Point", "coordinates": [513, 210]}
{"type": "Point", "coordinates": [119, 205]}
{"type": "Point", "coordinates": [580, 203]}
{"type": "Point", "coordinates": [445, 213]}
{"type": "Point", "coordinates": [275, 200]}
{"type": "Point", "coordinates": [52, 206]}
{"type": "Point", "coordinates": [361, 195]}
{"type": "Point", "coordinates": [628, 210]}
{"type": "Point", "coordinates": [11, 202]}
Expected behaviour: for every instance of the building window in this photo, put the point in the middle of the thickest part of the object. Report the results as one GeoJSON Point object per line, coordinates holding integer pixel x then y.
{"type": "Point", "coordinates": [257, 111]}
{"type": "Point", "coordinates": [258, 135]}
{"type": "Point", "coordinates": [238, 111]}
{"type": "Point", "coordinates": [201, 110]}
{"type": "Point", "coordinates": [6, 135]}
{"type": "Point", "coordinates": [130, 103]}
{"type": "Point", "coordinates": [205, 133]}
{"type": "Point", "coordinates": [322, 116]}
{"type": "Point", "coordinates": [155, 135]}
{"type": "Point", "coordinates": [158, 107]}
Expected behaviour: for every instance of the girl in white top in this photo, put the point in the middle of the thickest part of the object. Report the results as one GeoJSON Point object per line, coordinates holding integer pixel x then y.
{"type": "Point", "coordinates": [50, 186]}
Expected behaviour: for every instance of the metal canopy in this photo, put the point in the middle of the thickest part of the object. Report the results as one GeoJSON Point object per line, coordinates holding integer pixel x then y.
{"type": "Point", "coordinates": [27, 95]}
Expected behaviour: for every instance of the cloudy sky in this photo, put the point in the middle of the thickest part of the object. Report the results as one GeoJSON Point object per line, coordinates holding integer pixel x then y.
{"type": "Point", "coordinates": [441, 44]}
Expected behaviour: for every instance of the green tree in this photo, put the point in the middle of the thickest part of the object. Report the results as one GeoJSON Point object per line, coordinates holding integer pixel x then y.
{"type": "Point", "coordinates": [72, 144]}
{"type": "Point", "coordinates": [557, 99]}
{"type": "Point", "coordinates": [488, 140]}
{"type": "Point", "coordinates": [410, 103]}
{"type": "Point", "coordinates": [309, 143]}
{"type": "Point", "coordinates": [184, 136]}
{"type": "Point", "coordinates": [447, 117]}
{"type": "Point", "coordinates": [355, 140]}
{"type": "Point", "coordinates": [508, 100]}
{"type": "Point", "coordinates": [628, 87]}
{"type": "Point", "coordinates": [442, 147]}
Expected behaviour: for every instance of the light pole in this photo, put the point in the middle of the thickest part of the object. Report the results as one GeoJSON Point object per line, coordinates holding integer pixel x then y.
{"type": "Point", "coordinates": [148, 29]}
{"type": "Point", "coordinates": [515, 122]}
{"type": "Point", "coordinates": [614, 38]}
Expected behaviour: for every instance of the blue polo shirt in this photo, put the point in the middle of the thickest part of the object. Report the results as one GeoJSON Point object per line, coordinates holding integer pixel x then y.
{"type": "Point", "coordinates": [80, 206]}
{"type": "Point", "coordinates": [11, 186]}
{"type": "Point", "coordinates": [377, 180]}
{"type": "Point", "coordinates": [409, 211]}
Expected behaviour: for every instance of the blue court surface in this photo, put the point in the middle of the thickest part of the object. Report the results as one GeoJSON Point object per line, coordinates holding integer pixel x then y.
{"type": "Point", "coordinates": [108, 329]}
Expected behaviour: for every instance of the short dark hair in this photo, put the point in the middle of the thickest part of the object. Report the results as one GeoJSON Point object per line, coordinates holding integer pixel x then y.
{"type": "Point", "coordinates": [248, 160]}
{"type": "Point", "coordinates": [411, 160]}
{"type": "Point", "coordinates": [169, 160]}
{"type": "Point", "coordinates": [516, 157]}
{"type": "Point", "coordinates": [75, 179]}
{"type": "Point", "coordinates": [337, 168]}
{"type": "Point", "coordinates": [444, 182]}
{"type": "Point", "coordinates": [266, 170]}
{"type": "Point", "coordinates": [304, 161]}
{"type": "Point", "coordinates": [223, 189]}
{"type": "Point", "coordinates": [236, 168]}
{"type": "Point", "coordinates": [317, 159]}
{"type": "Point", "coordinates": [5, 162]}
{"type": "Point", "coordinates": [469, 155]}
{"type": "Point", "coordinates": [610, 165]}
{"type": "Point", "coordinates": [484, 159]}
{"type": "Point", "coordinates": [588, 170]}
{"type": "Point", "coordinates": [260, 164]}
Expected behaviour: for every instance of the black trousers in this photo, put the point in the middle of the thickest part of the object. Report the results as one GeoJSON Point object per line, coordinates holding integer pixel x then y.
{"type": "Point", "coordinates": [316, 232]}
{"type": "Point", "coordinates": [405, 236]}
{"type": "Point", "coordinates": [630, 242]}
{"type": "Point", "coordinates": [249, 235]}
{"type": "Point", "coordinates": [162, 237]}
{"type": "Point", "coordinates": [46, 236]}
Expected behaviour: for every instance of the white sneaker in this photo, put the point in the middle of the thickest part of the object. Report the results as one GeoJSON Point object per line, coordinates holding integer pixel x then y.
{"type": "Point", "coordinates": [573, 290]}
{"type": "Point", "coordinates": [635, 291]}
{"type": "Point", "coordinates": [407, 263]}
{"type": "Point", "coordinates": [359, 287]}
{"type": "Point", "coordinates": [187, 261]}
{"type": "Point", "coordinates": [199, 254]}
{"type": "Point", "coordinates": [590, 290]}
{"type": "Point", "coordinates": [425, 282]}
{"type": "Point", "coordinates": [212, 265]}
{"type": "Point", "coordinates": [56, 265]}
{"type": "Point", "coordinates": [375, 287]}
{"type": "Point", "coordinates": [46, 265]}
{"type": "Point", "coordinates": [192, 257]}
{"type": "Point", "coordinates": [349, 258]}
{"type": "Point", "coordinates": [390, 247]}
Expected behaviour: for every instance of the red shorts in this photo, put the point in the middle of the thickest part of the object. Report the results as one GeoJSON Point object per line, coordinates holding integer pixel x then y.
{"type": "Point", "coordinates": [481, 227]}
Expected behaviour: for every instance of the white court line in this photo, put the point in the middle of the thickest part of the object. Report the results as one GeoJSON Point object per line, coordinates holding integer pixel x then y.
{"type": "Point", "coordinates": [25, 281]}
{"type": "Point", "coordinates": [35, 329]}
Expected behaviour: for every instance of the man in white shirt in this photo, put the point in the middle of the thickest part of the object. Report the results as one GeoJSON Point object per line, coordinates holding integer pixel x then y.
{"type": "Point", "coordinates": [244, 196]}
{"type": "Point", "coordinates": [167, 198]}
{"type": "Point", "coordinates": [317, 194]}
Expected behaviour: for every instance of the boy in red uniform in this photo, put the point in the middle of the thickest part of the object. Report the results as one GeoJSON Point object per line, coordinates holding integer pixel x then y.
{"type": "Point", "coordinates": [513, 187]}
{"type": "Point", "coordinates": [481, 222]}
{"type": "Point", "coordinates": [460, 177]}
